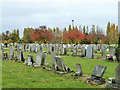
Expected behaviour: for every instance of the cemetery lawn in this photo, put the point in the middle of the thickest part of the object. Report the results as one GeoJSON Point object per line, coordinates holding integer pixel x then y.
{"type": "Point", "coordinates": [17, 75]}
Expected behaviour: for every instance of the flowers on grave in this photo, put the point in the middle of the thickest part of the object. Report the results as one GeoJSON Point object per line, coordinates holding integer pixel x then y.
{"type": "Point", "coordinates": [110, 57]}
{"type": "Point", "coordinates": [100, 59]}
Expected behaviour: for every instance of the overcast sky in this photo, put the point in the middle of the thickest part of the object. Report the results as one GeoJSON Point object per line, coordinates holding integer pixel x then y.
{"type": "Point", "coordinates": [57, 13]}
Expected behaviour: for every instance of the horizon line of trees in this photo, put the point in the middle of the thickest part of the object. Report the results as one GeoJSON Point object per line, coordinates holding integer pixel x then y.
{"type": "Point", "coordinates": [84, 35]}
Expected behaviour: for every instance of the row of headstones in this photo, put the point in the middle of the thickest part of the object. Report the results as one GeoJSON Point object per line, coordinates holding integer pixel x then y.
{"type": "Point", "coordinates": [40, 58]}
{"type": "Point", "coordinates": [86, 50]}
{"type": "Point", "coordinates": [72, 46]}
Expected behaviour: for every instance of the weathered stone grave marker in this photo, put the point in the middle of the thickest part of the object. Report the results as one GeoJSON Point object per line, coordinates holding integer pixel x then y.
{"type": "Point", "coordinates": [79, 70]}
{"type": "Point", "coordinates": [20, 56]}
{"type": "Point", "coordinates": [11, 53]}
{"type": "Point", "coordinates": [30, 60]}
{"type": "Point", "coordinates": [53, 57]}
{"type": "Point", "coordinates": [97, 74]}
{"type": "Point", "coordinates": [44, 57]}
{"type": "Point", "coordinates": [60, 66]}
{"type": "Point", "coordinates": [103, 52]}
{"type": "Point", "coordinates": [111, 51]}
{"type": "Point", "coordinates": [89, 52]}
{"type": "Point", "coordinates": [38, 58]}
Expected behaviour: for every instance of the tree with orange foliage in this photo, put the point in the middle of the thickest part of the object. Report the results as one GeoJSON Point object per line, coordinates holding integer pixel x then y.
{"type": "Point", "coordinates": [42, 35]}
{"type": "Point", "coordinates": [73, 36]}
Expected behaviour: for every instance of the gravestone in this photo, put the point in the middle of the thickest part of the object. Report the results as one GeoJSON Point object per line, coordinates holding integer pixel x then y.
{"type": "Point", "coordinates": [28, 50]}
{"type": "Point", "coordinates": [36, 49]}
{"type": "Point", "coordinates": [115, 82]}
{"type": "Point", "coordinates": [0, 46]}
{"type": "Point", "coordinates": [26, 61]}
{"type": "Point", "coordinates": [76, 48]}
{"type": "Point", "coordinates": [41, 48]}
{"type": "Point", "coordinates": [72, 48]}
{"type": "Point", "coordinates": [44, 58]}
{"type": "Point", "coordinates": [32, 47]}
{"type": "Point", "coordinates": [20, 56]}
{"type": "Point", "coordinates": [117, 74]}
{"type": "Point", "coordinates": [53, 57]}
{"type": "Point", "coordinates": [56, 49]}
{"type": "Point", "coordinates": [22, 48]}
{"type": "Point", "coordinates": [6, 44]}
{"type": "Point", "coordinates": [111, 51]}
{"type": "Point", "coordinates": [61, 50]}
{"type": "Point", "coordinates": [98, 46]}
{"type": "Point", "coordinates": [74, 54]}
{"type": "Point", "coordinates": [18, 46]}
{"type": "Point", "coordinates": [38, 58]}
{"type": "Point", "coordinates": [103, 53]}
{"type": "Point", "coordinates": [50, 47]}
{"type": "Point", "coordinates": [65, 51]}
{"type": "Point", "coordinates": [11, 53]}
{"type": "Point", "coordinates": [103, 46]}
{"type": "Point", "coordinates": [30, 60]}
{"type": "Point", "coordinates": [60, 66]}
{"type": "Point", "coordinates": [89, 52]}
{"type": "Point", "coordinates": [97, 74]}
{"type": "Point", "coordinates": [79, 70]}
{"type": "Point", "coordinates": [83, 52]}
{"type": "Point", "coordinates": [95, 48]}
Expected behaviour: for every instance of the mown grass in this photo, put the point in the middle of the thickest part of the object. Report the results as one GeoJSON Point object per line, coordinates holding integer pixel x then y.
{"type": "Point", "coordinates": [17, 75]}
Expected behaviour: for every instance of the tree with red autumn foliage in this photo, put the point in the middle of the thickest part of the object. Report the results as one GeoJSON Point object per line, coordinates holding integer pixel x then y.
{"type": "Point", "coordinates": [73, 36]}
{"type": "Point", "coordinates": [42, 35]}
